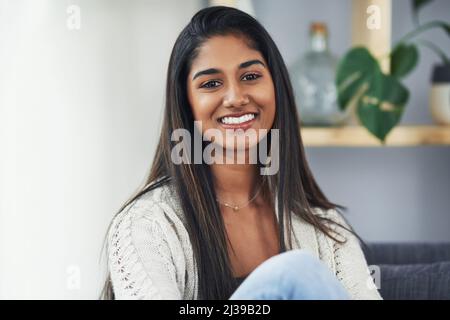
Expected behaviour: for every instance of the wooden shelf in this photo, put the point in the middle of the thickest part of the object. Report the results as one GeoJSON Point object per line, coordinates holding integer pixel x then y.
{"type": "Point", "coordinates": [358, 136]}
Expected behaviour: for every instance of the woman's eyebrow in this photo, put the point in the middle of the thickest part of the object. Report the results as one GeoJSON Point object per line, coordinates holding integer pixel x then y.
{"type": "Point", "coordinates": [251, 62]}
{"type": "Point", "coordinates": [215, 71]}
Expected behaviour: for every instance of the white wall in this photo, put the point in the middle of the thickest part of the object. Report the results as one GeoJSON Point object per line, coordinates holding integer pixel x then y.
{"type": "Point", "coordinates": [80, 113]}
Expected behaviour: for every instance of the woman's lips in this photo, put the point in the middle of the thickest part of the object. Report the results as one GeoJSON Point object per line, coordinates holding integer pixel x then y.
{"type": "Point", "coordinates": [235, 126]}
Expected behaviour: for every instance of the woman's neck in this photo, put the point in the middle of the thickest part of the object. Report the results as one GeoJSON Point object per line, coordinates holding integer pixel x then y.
{"type": "Point", "coordinates": [236, 183]}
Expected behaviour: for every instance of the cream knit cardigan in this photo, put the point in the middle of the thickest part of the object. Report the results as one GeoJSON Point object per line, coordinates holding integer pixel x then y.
{"type": "Point", "coordinates": [150, 254]}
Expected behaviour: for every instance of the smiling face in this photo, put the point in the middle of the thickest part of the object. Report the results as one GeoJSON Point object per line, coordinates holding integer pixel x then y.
{"type": "Point", "coordinates": [230, 89]}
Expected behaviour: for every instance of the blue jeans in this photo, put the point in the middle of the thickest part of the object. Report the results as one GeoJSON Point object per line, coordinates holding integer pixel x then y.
{"type": "Point", "coordinates": [291, 275]}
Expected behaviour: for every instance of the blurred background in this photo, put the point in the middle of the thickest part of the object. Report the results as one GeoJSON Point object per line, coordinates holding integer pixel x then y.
{"type": "Point", "coordinates": [81, 94]}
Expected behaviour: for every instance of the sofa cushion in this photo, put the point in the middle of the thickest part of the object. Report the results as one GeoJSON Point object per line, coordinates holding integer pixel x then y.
{"type": "Point", "coordinates": [406, 253]}
{"type": "Point", "coordinates": [415, 281]}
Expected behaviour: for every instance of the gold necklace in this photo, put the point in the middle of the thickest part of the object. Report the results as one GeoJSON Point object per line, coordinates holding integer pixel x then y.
{"type": "Point", "coordinates": [236, 207]}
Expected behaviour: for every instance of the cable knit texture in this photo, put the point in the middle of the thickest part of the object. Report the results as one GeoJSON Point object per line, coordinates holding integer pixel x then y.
{"type": "Point", "coordinates": [150, 254]}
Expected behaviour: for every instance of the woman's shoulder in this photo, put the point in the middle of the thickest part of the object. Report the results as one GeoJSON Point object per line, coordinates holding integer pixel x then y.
{"type": "Point", "coordinates": [157, 193]}
{"type": "Point", "coordinates": [147, 241]}
{"type": "Point", "coordinates": [308, 233]}
{"type": "Point", "coordinates": [331, 213]}
{"type": "Point", "coordinates": [159, 205]}
{"type": "Point", "coordinates": [333, 216]}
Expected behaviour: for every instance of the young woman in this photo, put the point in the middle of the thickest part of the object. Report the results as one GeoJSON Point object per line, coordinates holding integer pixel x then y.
{"type": "Point", "coordinates": [225, 230]}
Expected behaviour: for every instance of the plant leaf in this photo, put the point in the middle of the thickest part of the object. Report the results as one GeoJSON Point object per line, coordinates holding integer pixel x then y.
{"type": "Point", "coordinates": [417, 4]}
{"type": "Point", "coordinates": [380, 98]}
{"type": "Point", "coordinates": [403, 59]}
{"type": "Point", "coordinates": [446, 28]}
{"type": "Point", "coordinates": [355, 69]}
{"type": "Point", "coordinates": [444, 25]}
{"type": "Point", "coordinates": [381, 107]}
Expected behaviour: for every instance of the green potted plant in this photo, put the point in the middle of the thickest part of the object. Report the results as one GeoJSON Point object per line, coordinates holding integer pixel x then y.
{"type": "Point", "coordinates": [380, 98]}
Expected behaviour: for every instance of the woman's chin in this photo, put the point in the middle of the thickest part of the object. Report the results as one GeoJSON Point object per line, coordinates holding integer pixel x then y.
{"type": "Point", "coordinates": [240, 145]}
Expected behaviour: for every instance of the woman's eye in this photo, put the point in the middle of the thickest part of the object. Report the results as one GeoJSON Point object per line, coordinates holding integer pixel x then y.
{"type": "Point", "coordinates": [214, 83]}
{"type": "Point", "coordinates": [253, 76]}
{"type": "Point", "coordinates": [209, 84]}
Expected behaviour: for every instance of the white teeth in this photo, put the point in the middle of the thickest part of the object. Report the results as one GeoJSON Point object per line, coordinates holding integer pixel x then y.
{"type": "Point", "coordinates": [238, 120]}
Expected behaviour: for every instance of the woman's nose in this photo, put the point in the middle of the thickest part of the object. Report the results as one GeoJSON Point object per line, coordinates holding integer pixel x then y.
{"type": "Point", "coordinates": [235, 97]}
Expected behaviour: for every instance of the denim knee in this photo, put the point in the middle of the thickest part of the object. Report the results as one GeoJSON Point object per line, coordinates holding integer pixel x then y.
{"type": "Point", "coordinates": [292, 261]}
{"type": "Point", "coordinates": [288, 264]}
{"type": "Point", "coordinates": [306, 276]}
{"type": "Point", "coordinates": [295, 274]}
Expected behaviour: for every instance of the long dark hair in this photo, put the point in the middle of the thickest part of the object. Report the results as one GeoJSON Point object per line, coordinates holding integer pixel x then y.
{"type": "Point", "coordinates": [294, 186]}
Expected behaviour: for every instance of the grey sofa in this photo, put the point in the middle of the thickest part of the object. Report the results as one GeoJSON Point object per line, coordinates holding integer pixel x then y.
{"type": "Point", "coordinates": [411, 271]}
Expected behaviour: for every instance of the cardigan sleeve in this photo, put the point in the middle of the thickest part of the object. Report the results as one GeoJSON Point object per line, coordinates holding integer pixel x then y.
{"type": "Point", "coordinates": [140, 258]}
{"type": "Point", "coordinates": [351, 265]}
